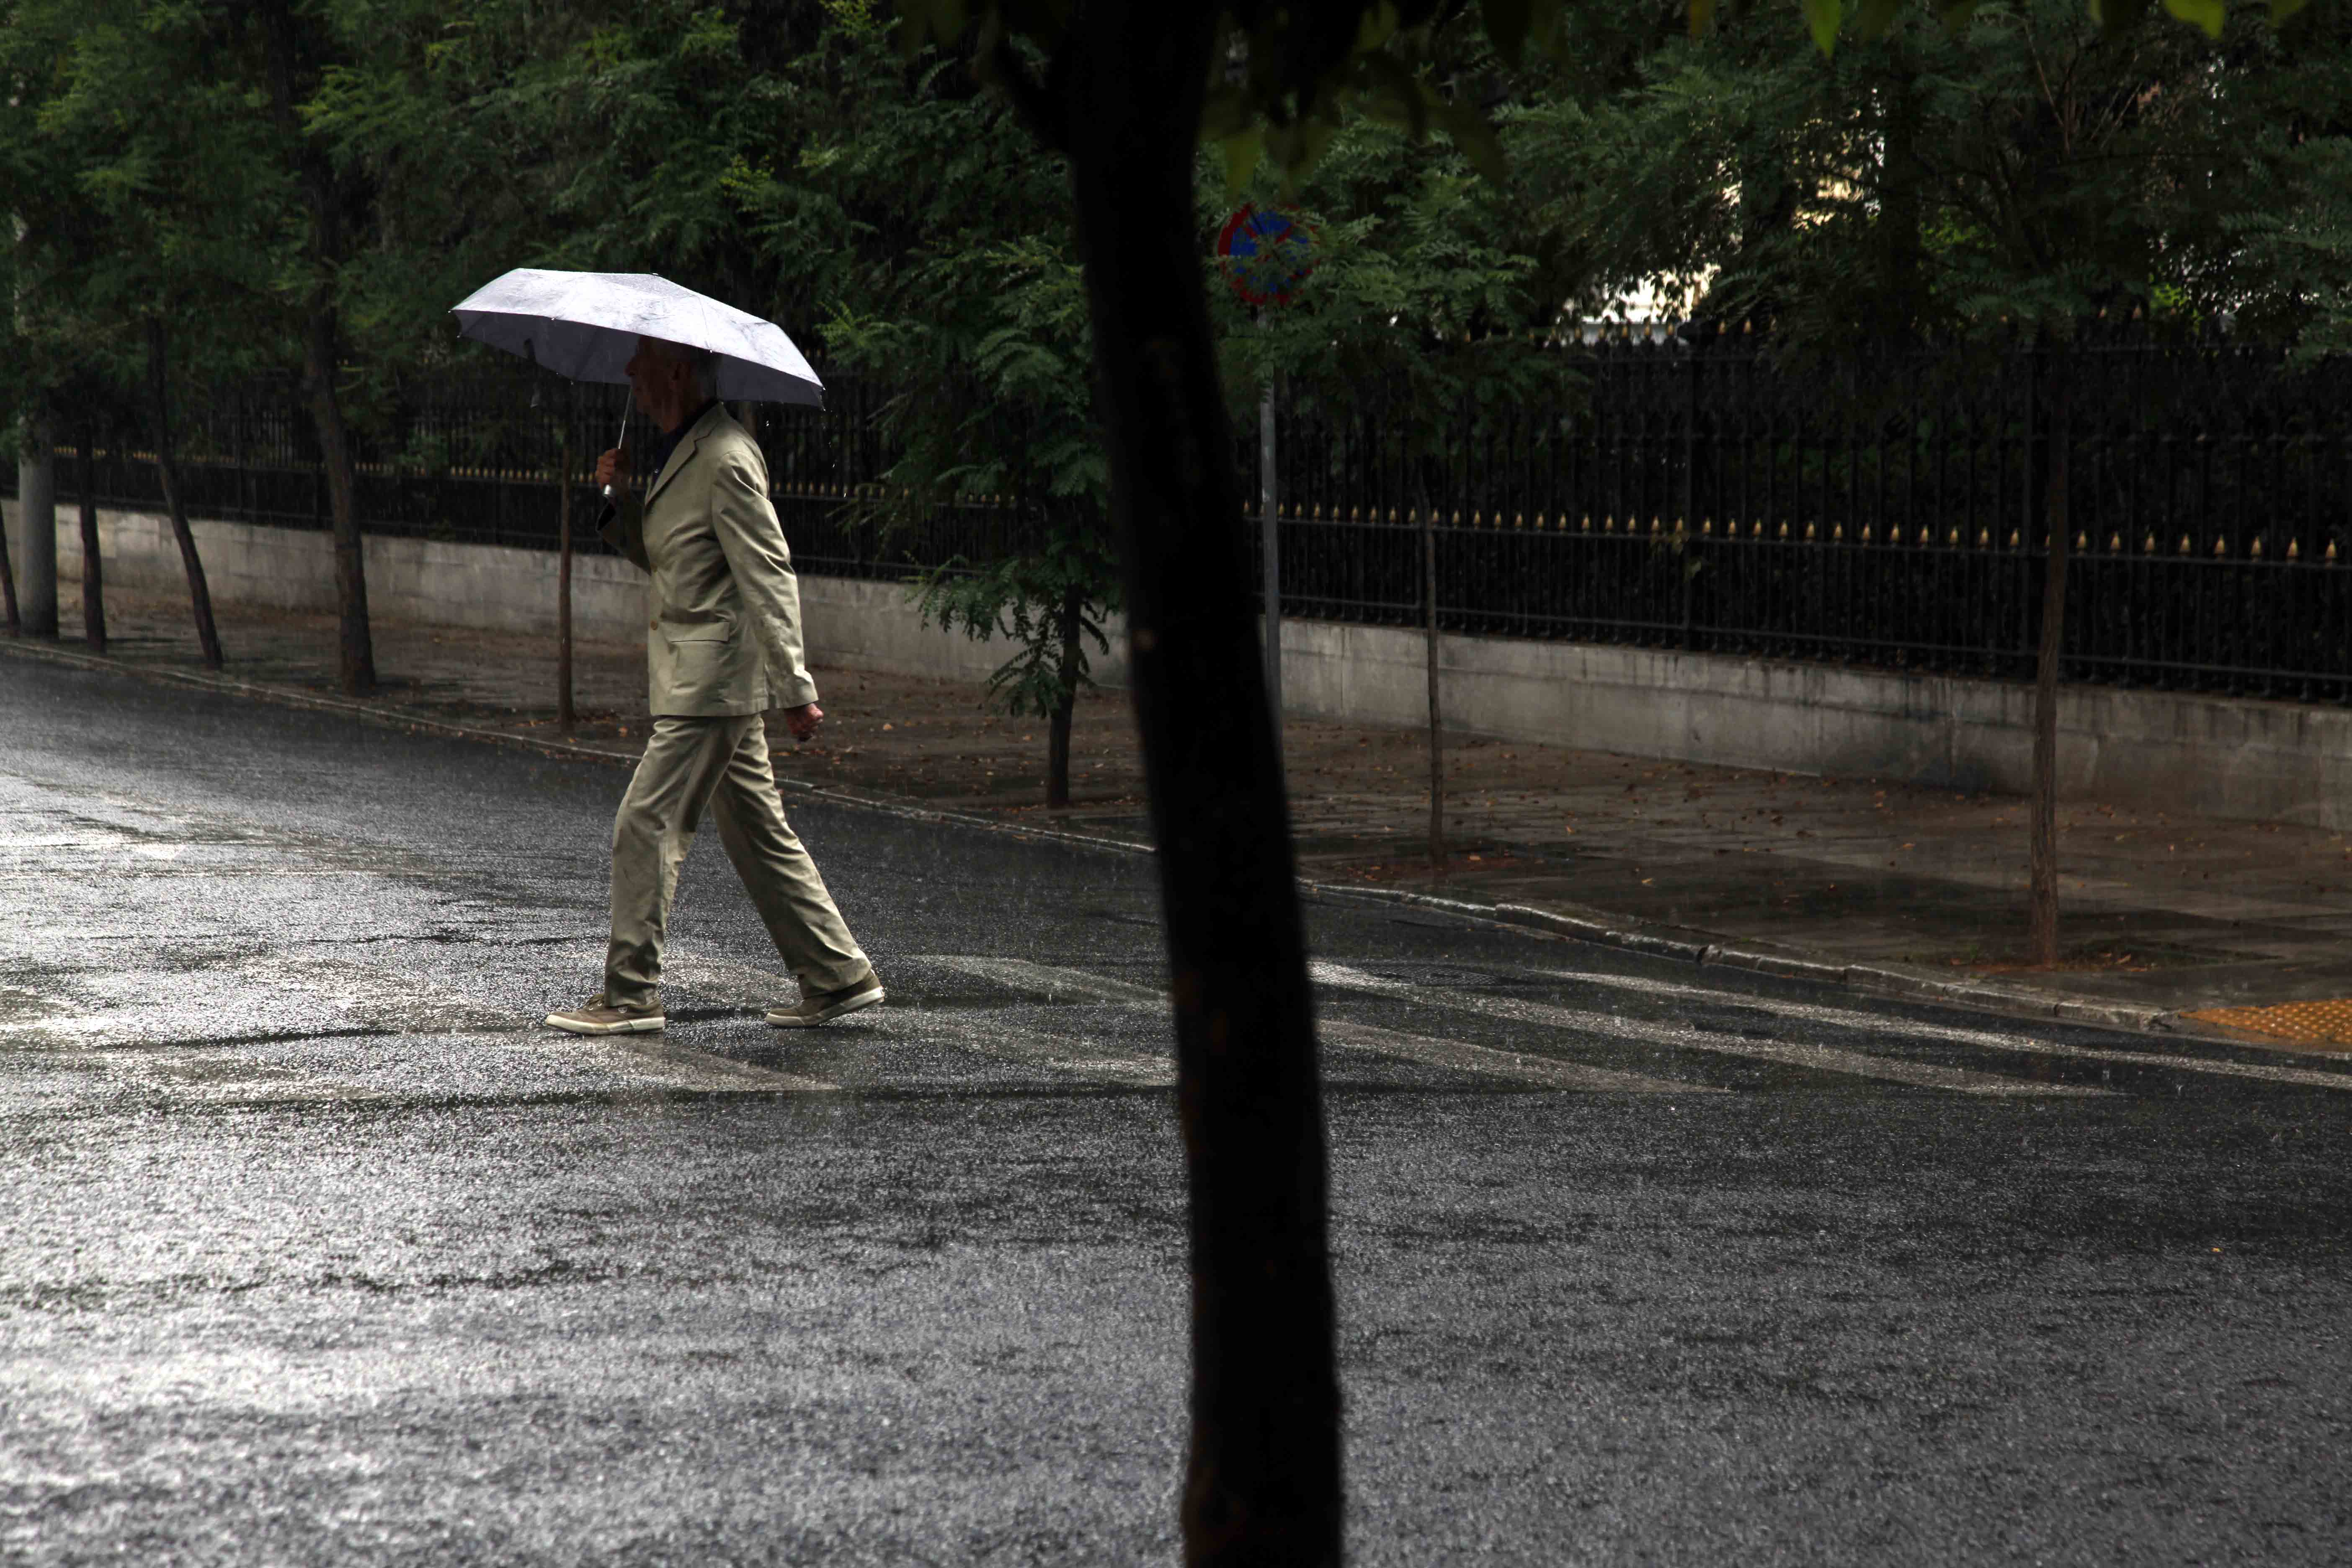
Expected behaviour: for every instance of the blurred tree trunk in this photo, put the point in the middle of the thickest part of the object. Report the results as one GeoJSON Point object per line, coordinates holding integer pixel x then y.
{"type": "Point", "coordinates": [93, 570]}
{"type": "Point", "coordinates": [1262, 1483]}
{"type": "Point", "coordinates": [167, 469]}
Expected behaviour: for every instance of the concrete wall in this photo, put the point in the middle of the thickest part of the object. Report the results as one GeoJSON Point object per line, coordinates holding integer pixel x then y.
{"type": "Point", "coordinates": [2219, 756]}
{"type": "Point", "coordinates": [2232, 757]}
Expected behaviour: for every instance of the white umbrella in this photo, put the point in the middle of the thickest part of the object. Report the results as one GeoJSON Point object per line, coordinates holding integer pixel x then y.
{"type": "Point", "coordinates": [585, 325]}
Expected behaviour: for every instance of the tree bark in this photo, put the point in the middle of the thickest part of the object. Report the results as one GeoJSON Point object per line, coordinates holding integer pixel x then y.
{"type": "Point", "coordinates": [167, 470]}
{"type": "Point", "coordinates": [1437, 712]}
{"type": "Point", "coordinates": [566, 719]}
{"type": "Point", "coordinates": [16, 622]}
{"type": "Point", "coordinates": [321, 334]}
{"type": "Point", "coordinates": [93, 571]}
{"type": "Point", "coordinates": [2041, 919]}
{"type": "Point", "coordinates": [1263, 1478]}
{"type": "Point", "coordinates": [355, 647]}
{"type": "Point", "coordinates": [36, 516]}
{"type": "Point", "coordinates": [1057, 740]}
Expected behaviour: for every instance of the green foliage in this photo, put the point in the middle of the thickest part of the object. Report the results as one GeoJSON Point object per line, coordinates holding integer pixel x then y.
{"type": "Point", "coordinates": [2024, 164]}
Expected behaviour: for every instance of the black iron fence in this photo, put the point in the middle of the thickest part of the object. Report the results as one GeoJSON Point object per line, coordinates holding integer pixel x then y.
{"type": "Point", "coordinates": [1887, 512]}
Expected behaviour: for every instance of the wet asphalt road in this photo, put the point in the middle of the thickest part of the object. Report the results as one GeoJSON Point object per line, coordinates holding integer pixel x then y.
{"type": "Point", "coordinates": [314, 1249]}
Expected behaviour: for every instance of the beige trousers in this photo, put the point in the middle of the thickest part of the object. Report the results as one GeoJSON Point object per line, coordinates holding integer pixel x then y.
{"type": "Point", "coordinates": [722, 764]}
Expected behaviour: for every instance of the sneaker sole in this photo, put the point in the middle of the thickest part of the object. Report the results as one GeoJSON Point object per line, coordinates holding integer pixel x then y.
{"type": "Point", "coordinates": [859, 1002]}
{"type": "Point", "coordinates": [632, 1027]}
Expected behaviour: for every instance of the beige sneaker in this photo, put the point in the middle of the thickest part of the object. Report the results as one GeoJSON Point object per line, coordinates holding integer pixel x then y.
{"type": "Point", "coordinates": [816, 1007]}
{"type": "Point", "coordinates": [596, 1016]}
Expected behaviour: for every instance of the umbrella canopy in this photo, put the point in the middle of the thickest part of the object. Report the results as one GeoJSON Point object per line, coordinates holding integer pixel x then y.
{"type": "Point", "coordinates": [585, 325]}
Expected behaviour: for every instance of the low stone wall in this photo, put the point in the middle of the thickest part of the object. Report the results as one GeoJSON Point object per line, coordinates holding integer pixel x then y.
{"type": "Point", "coordinates": [2217, 756]}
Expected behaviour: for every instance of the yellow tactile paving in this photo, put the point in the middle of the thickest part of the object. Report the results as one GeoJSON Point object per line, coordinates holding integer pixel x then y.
{"type": "Point", "coordinates": [2323, 1023]}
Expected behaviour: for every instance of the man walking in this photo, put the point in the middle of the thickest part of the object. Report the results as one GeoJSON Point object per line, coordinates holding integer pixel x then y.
{"type": "Point", "coordinates": [723, 645]}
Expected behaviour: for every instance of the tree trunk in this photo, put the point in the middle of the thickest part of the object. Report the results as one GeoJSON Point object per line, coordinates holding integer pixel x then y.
{"type": "Point", "coordinates": [36, 516]}
{"type": "Point", "coordinates": [566, 719]}
{"type": "Point", "coordinates": [1262, 1483]}
{"type": "Point", "coordinates": [1437, 712]}
{"type": "Point", "coordinates": [93, 573]}
{"type": "Point", "coordinates": [2043, 851]}
{"type": "Point", "coordinates": [355, 649]}
{"type": "Point", "coordinates": [1057, 741]}
{"type": "Point", "coordinates": [8, 583]}
{"type": "Point", "coordinates": [167, 469]}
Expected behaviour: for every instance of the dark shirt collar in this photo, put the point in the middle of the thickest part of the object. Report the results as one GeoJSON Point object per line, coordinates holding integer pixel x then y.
{"type": "Point", "coordinates": [658, 458]}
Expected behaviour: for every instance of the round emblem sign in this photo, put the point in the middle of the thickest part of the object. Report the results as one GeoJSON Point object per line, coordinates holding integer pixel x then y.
{"type": "Point", "coordinates": [1267, 255]}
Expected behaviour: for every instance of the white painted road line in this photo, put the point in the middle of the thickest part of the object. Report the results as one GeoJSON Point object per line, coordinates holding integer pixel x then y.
{"type": "Point", "coordinates": [1608, 1026]}
{"type": "Point", "coordinates": [1050, 981]}
{"type": "Point", "coordinates": [1516, 1065]}
{"type": "Point", "coordinates": [1059, 983]}
{"type": "Point", "coordinates": [1986, 1039]}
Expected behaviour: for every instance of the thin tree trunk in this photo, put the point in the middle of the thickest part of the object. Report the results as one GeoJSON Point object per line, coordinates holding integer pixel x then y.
{"type": "Point", "coordinates": [1263, 1482]}
{"type": "Point", "coordinates": [564, 718]}
{"type": "Point", "coordinates": [8, 583]}
{"type": "Point", "coordinates": [2043, 850]}
{"type": "Point", "coordinates": [1437, 712]}
{"type": "Point", "coordinates": [355, 647]}
{"type": "Point", "coordinates": [36, 515]}
{"type": "Point", "coordinates": [167, 469]}
{"type": "Point", "coordinates": [1057, 741]}
{"type": "Point", "coordinates": [93, 574]}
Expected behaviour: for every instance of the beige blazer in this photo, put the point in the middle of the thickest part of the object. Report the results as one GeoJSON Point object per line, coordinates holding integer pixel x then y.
{"type": "Point", "coordinates": [724, 636]}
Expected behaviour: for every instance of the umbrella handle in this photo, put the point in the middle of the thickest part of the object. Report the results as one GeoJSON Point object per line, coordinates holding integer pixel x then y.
{"type": "Point", "coordinates": [620, 444]}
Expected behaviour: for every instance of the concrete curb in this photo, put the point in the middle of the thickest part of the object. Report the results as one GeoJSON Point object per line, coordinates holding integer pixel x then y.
{"type": "Point", "coordinates": [1897, 981]}
{"type": "Point", "coordinates": [391, 716]}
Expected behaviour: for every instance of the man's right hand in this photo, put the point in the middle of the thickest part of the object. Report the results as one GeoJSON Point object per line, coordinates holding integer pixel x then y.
{"type": "Point", "coordinates": [613, 471]}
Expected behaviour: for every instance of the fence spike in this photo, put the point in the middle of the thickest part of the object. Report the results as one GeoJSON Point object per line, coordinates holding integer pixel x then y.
{"type": "Point", "coordinates": [2013, 539]}
{"type": "Point", "coordinates": [1866, 533]}
{"type": "Point", "coordinates": [1837, 533]}
{"type": "Point", "coordinates": [2220, 547]}
{"type": "Point", "coordinates": [2258, 549]}
{"type": "Point", "coordinates": [1953, 537]}
{"type": "Point", "coordinates": [2184, 545]}
{"type": "Point", "coordinates": [2293, 549]}
{"type": "Point", "coordinates": [1784, 530]}
{"type": "Point", "coordinates": [2082, 540]}
{"type": "Point", "coordinates": [2114, 541]}
{"type": "Point", "coordinates": [2331, 550]}
{"type": "Point", "coordinates": [2149, 544]}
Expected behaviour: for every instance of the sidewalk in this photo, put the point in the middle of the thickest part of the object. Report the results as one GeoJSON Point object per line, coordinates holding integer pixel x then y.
{"type": "Point", "coordinates": [2171, 923]}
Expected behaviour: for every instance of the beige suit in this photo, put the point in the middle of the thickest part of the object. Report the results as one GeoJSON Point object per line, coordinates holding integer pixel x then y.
{"type": "Point", "coordinates": [723, 645]}
{"type": "Point", "coordinates": [725, 637]}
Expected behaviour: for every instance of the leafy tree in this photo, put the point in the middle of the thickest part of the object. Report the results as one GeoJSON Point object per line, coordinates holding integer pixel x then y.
{"type": "Point", "coordinates": [1121, 92]}
{"type": "Point", "coordinates": [153, 217]}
